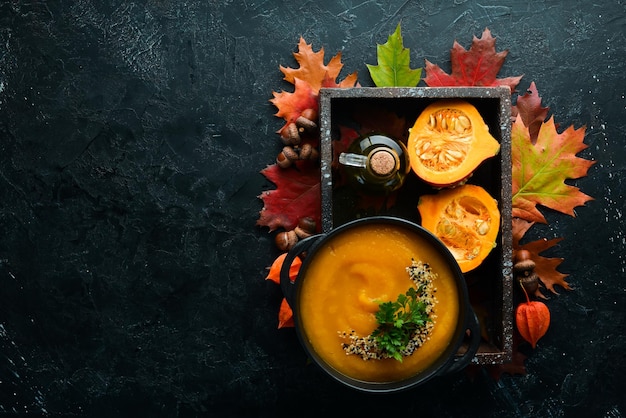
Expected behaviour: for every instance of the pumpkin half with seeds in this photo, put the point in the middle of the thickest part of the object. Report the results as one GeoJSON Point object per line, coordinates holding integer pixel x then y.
{"type": "Point", "coordinates": [448, 141]}
{"type": "Point", "coordinates": [466, 219]}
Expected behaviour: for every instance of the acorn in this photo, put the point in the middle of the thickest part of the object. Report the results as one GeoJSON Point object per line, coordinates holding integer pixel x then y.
{"type": "Point", "coordinates": [286, 240]}
{"type": "Point", "coordinates": [286, 157]}
{"type": "Point", "coordinates": [308, 152]}
{"type": "Point", "coordinates": [524, 270]}
{"type": "Point", "coordinates": [306, 227]}
{"type": "Point", "coordinates": [310, 114]}
{"type": "Point", "coordinates": [291, 135]}
{"type": "Point", "coordinates": [530, 283]}
{"type": "Point", "coordinates": [282, 161]}
{"type": "Point", "coordinates": [521, 255]}
{"type": "Point", "coordinates": [305, 124]}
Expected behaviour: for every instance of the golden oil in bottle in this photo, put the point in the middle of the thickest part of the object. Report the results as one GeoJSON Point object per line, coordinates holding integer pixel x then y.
{"type": "Point", "coordinates": [376, 164]}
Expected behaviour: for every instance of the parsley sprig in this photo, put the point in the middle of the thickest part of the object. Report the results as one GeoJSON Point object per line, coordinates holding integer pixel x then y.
{"type": "Point", "coordinates": [398, 321]}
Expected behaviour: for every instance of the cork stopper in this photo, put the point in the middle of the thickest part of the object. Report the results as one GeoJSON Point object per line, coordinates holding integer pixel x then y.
{"type": "Point", "coordinates": [382, 162]}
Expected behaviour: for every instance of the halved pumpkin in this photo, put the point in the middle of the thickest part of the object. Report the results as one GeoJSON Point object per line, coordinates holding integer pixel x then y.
{"type": "Point", "coordinates": [466, 219]}
{"type": "Point", "coordinates": [448, 141]}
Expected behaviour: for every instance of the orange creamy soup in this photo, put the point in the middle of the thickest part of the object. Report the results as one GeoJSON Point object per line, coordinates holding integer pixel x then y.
{"type": "Point", "coordinates": [346, 280]}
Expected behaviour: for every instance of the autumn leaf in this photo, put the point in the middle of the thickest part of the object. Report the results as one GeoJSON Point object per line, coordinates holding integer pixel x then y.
{"type": "Point", "coordinates": [297, 195]}
{"type": "Point", "coordinates": [313, 70]}
{"type": "Point", "coordinates": [545, 268]}
{"type": "Point", "coordinates": [477, 67]}
{"type": "Point", "coordinates": [540, 170]}
{"type": "Point", "coordinates": [291, 105]}
{"type": "Point", "coordinates": [528, 107]}
{"type": "Point", "coordinates": [393, 69]}
{"type": "Point", "coordinates": [311, 75]}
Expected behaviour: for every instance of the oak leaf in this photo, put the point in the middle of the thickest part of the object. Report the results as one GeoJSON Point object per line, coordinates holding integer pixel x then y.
{"type": "Point", "coordinates": [394, 69]}
{"type": "Point", "coordinates": [477, 67]}
{"type": "Point", "coordinates": [540, 170]}
{"type": "Point", "coordinates": [313, 70]}
{"type": "Point", "coordinates": [528, 107]}
{"type": "Point", "coordinates": [311, 75]}
{"type": "Point", "coordinates": [291, 105]}
{"type": "Point", "coordinates": [297, 195]}
{"type": "Point", "coordinates": [545, 268]}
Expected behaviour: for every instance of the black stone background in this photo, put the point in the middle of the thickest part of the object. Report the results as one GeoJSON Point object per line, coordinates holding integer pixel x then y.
{"type": "Point", "coordinates": [132, 134]}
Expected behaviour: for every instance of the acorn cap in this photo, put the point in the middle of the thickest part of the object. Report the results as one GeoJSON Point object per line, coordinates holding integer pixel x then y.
{"type": "Point", "coordinates": [524, 265]}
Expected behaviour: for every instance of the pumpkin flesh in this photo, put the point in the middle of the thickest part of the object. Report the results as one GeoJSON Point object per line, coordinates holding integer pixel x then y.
{"type": "Point", "coordinates": [466, 219]}
{"type": "Point", "coordinates": [448, 141]}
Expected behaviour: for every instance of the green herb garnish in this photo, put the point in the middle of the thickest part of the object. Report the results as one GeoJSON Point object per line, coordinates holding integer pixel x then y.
{"type": "Point", "coordinates": [398, 321]}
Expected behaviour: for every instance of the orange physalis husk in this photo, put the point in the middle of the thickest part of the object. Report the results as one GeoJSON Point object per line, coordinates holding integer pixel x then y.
{"type": "Point", "coordinates": [274, 273]}
{"type": "Point", "coordinates": [532, 319]}
{"type": "Point", "coordinates": [285, 315]}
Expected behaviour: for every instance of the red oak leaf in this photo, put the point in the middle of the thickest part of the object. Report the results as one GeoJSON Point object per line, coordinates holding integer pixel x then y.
{"type": "Point", "coordinates": [528, 107]}
{"type": "Point", "coordinates": [297, 195]}
{"type": "Point", "coordinates": [346, 137]}
{"type": "Point", "coordinates": [545, 268]}
{"type": "Point", "coordinates": [540, 170]}
{"type": "Point", "coordinates": [313, 70]}
{"type": "Point", "coordinates": [477, 67]}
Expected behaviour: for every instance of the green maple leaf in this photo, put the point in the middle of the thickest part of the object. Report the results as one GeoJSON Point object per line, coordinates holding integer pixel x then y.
{"type": "Point", "coordinates": [393, 69]}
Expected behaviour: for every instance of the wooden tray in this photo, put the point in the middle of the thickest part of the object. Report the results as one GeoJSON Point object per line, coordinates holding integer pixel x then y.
{"type": "Point", "coordinates": [490, 285]}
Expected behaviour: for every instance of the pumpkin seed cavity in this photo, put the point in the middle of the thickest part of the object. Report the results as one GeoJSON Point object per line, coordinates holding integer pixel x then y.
{"type": "Point", "coordinates": [445, 142]}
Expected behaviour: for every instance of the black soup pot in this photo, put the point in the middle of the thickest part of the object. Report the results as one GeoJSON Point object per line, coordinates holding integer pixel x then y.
{"type": "Point", "coordinates": [450, 359]}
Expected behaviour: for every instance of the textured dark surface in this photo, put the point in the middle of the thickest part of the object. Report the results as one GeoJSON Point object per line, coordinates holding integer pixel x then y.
{"type": "Point", "coordinates": [131, 269]}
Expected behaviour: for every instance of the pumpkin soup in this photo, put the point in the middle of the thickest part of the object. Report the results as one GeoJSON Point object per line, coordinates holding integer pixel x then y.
{"type": "Point", "coordinates": [347, 280]}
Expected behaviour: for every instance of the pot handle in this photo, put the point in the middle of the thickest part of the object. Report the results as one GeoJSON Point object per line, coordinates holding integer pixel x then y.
{"type": "Point", "coordinates": [464, 360]}
{"type": "Point", "coordinates": [286, 284]}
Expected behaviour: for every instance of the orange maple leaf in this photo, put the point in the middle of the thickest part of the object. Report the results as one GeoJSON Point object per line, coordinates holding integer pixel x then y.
{"type": "Point", "coordinates": [313, 70]}
{"type": "Point", "coordinates": [477, 67]}
{"type": "Point", "coordinates": [540, 169]}
{"type": "Point", "coordinates": [545, 268]}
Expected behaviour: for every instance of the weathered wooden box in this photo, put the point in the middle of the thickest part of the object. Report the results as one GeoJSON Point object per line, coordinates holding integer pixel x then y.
{"type": "Point", "coordinates": [491, 285]}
